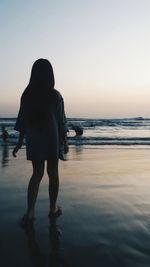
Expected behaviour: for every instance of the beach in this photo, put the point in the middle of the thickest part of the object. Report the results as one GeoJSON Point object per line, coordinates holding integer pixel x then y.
{"type": "Point", "coordinates": [105, 198]}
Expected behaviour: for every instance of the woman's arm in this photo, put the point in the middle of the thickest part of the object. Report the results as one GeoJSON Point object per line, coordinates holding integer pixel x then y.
{"type": "Point", "coordinates": [63, 128]}
{"type": "Point", "coordinates": [20, 126]}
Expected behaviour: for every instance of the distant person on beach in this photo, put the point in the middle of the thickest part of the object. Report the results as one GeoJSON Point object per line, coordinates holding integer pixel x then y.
{"type": "Point", "coordinates": [78, 130]}
{"type": "Point", "coordinates": [4, 134]}
{"type": "Point", "coordinates": [42, 121]}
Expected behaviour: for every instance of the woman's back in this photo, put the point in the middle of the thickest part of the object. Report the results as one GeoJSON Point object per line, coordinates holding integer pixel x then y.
{"type": "Point", "coordinates": [43, 139]}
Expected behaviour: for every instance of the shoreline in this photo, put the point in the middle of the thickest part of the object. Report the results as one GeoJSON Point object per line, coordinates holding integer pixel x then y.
{"type": "Point", "coordinates": [105, 197]}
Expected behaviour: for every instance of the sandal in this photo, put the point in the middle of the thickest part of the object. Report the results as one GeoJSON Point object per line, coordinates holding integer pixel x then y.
{"type": "Point", "coordinates": [55, 214]}
{"type": "Point", "coordinates": [26, 221]}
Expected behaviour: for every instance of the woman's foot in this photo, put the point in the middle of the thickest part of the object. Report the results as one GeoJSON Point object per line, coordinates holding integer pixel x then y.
{"type": "Point", "coordinates": [54, 213]}
{"type": "Point", "coordinates": [26, 221]}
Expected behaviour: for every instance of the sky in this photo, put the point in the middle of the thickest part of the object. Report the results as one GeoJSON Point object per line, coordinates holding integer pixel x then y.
{"type": "Point", "coordinates": [99, 49]}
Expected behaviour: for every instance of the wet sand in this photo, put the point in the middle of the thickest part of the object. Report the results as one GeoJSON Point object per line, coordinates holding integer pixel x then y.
{"type": "Point", "coordinates": [105, 196]}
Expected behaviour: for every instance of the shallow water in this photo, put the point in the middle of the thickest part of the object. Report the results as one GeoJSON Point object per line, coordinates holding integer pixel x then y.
{"type": "Point", "coordinates": [130, 131]}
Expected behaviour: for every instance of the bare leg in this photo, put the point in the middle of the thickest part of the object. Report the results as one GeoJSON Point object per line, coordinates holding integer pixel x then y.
{"type": "Point", "coordinates": [52, 170]}
{"type": "Point", "coordinates": [33, 187]}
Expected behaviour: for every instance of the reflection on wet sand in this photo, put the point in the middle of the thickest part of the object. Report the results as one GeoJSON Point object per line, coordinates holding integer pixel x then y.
{"type": "Point", "coordinates": [54, 239]}
{"type": "Point", "coordinates": [5, 155]}
{"type": "Point", "coordinates": [39, 258]}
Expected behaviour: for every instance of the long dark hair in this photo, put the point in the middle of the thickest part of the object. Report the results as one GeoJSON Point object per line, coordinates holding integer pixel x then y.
{"type": "Point", "coordinates": [39, 93]}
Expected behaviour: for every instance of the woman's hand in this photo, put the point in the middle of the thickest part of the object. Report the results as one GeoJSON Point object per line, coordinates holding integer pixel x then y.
{"type": "Point", "coordinates": [15, 150]}
{"type": "Point", "coordinates": [19, 145]}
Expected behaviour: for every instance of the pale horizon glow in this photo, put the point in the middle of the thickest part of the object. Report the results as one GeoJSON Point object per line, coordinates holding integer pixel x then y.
{"type": "Point", "coordinates": [100, 52]}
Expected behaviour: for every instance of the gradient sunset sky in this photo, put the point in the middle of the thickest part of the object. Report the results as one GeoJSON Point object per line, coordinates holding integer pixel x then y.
{"type": "Point", "coordinates": [100, 52]}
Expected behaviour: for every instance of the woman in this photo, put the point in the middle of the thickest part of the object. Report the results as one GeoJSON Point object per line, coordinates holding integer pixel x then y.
{"type": "Point", "coordinates": [41, 120]}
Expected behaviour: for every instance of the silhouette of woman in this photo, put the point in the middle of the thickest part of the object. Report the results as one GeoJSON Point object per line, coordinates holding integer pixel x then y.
{"type": "Point", "coordinates": [42, 121]}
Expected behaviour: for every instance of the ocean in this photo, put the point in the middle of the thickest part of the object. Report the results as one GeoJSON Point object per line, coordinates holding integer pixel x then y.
{"type": "Point", "coordinates": [111, 132]}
